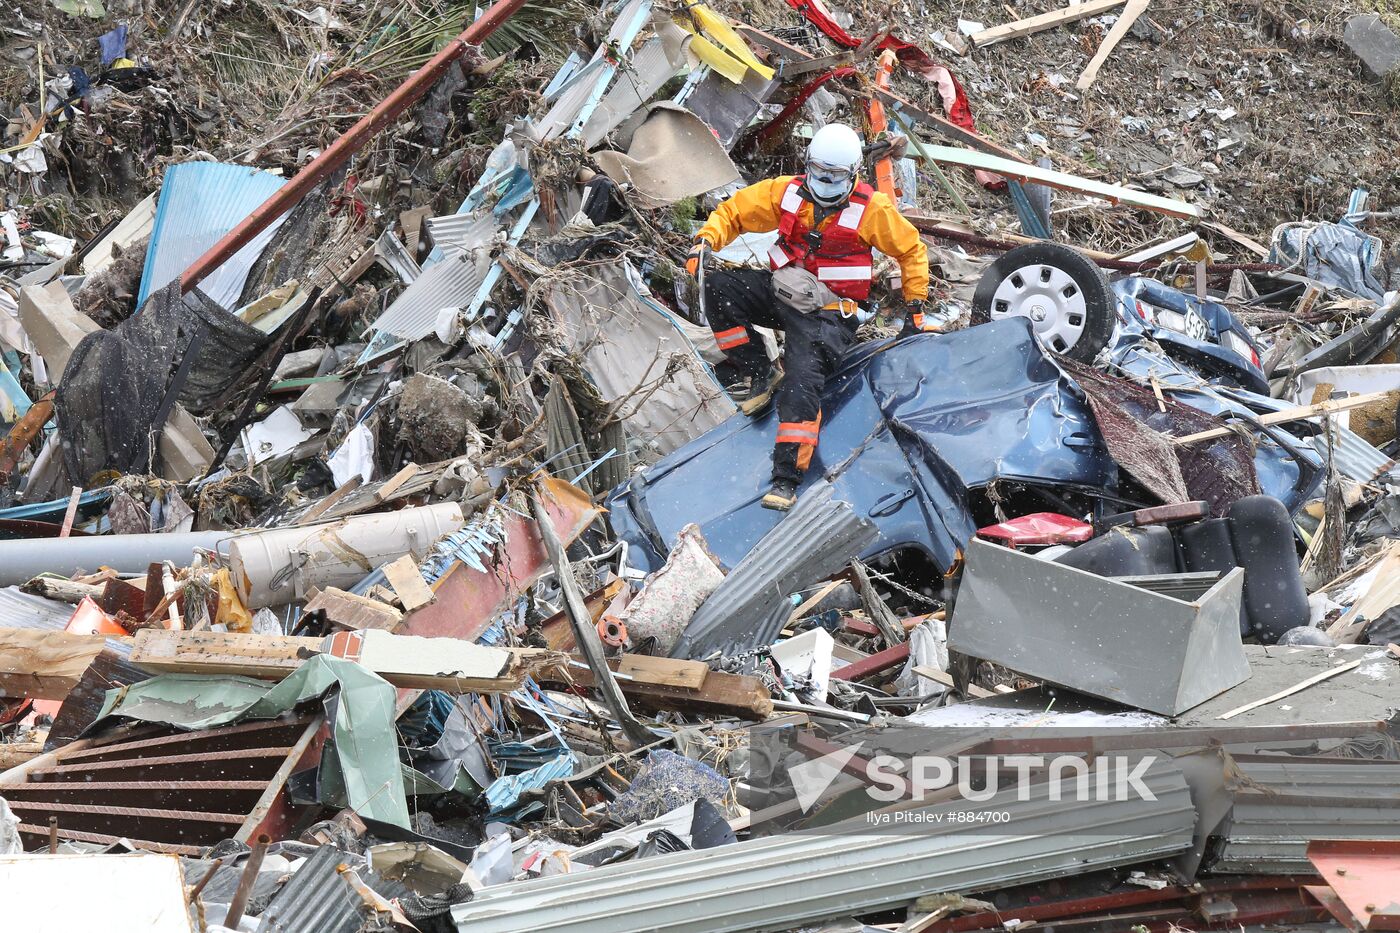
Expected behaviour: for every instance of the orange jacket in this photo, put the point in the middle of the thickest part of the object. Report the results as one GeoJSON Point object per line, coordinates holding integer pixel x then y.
{"type": "Point", "coordinates": [757, 209]}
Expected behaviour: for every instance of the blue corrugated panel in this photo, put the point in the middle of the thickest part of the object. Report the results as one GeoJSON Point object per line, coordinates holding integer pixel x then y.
{"type": "Point", "coordinates": [199, 203]}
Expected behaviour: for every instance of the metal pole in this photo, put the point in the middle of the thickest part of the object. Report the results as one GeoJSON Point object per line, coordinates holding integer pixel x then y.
{"type": "Point", "coordinates": [245, 883]}
{"type": "Point", "coordinates": [340, 151]}
{"type": "Point", "coordinates": [585, 635]}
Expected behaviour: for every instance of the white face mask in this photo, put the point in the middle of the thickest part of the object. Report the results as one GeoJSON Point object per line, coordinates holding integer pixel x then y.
{"type": "Point", "coordinates": [829, 185]}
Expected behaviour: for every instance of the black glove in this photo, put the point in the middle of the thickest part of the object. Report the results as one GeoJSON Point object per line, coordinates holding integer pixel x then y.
{"type": "Point", "coordinates": [913, 319]}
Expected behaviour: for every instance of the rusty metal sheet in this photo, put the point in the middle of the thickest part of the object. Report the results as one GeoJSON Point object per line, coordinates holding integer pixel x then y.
{"type": "Point", "coordinates": [1365, 875]}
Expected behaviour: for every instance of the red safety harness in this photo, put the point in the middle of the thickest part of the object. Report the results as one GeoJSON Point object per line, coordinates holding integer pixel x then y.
{"type": "Point", "coordinates": [838, 258]}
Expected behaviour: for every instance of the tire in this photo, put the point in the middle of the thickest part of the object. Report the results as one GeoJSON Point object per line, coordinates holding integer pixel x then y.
{"type": "Point", "coordinates": [1060, 289]}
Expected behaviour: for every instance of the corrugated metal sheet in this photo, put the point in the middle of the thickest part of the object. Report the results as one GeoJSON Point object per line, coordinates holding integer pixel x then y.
{"type": "Point", "coordinates": [316, 899]}
{"type": "Point", "coordinates": [455, 234]}
{"type": "Point", "coordinates": [1282, 805]}
{"type": "Point", "coordinates": [1357, 459]}
{"type": "Point", "coordinates": [447, 284]}
{"type": "Point", "coordinates": [785, 881]}
{"type": "Point", "coordinates": [199, 203]}
{"type": "Point", "coordinates": [19, 609]}
{"type": "Point", "coordinates": [813, 541]}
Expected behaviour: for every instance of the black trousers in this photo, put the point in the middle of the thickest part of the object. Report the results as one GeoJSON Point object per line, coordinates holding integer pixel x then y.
{"type": "Point", "coordinates": [738, 300]}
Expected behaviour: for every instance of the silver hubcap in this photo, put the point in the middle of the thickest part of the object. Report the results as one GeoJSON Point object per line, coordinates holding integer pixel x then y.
{"type": "Point", "coordinates": [1050, 298]}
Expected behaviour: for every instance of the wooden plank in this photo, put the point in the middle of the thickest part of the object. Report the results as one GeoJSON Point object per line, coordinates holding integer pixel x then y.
{"type": "Point", "coordinates": [1329, 407]}
{"type": "Point", "coordinates": [17, 753]}
{"type": "Point", "coordinates": [876, 663]}
{"type": "Point", "coordinates": [1248, 242]}
{"type": "Point", "coordinates": [1289, 691]}
{"type": "Point", "coordinates": [325, 505]}
{"type": "Point", "coordinates": [1033, 24]}
{"type": "Point", "coordinates": [404, 661]}
{"type": "Point", "coordinates": [946, 679]}
{"type": "Point", "coordinates": [1383, 593]}
{"type": "Point", "coordinates": [44, 665]}
{"type": "Point", "coordinates": [408, 583]}
{"type": "Point", "coordinates": [272, 796]}
{"type": "Point", "coordinates": [391, 485]}
{"type": "Point", "coordinates": [814, 599]}
{"type": "Point", "coordinates": [263, 656]}
{"type": "Point", "coordinates": [1130, 14]}
{"type": "Point", "coordinates": [1114, 194]}
{"type": "Point", "coordinates": [668, 671]}
{"type": "Point", "coordinates": [724, 694]}
{"type": "Point", "coordinates": [354, 612]}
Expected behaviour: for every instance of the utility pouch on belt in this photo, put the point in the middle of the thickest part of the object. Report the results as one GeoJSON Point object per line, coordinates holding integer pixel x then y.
{"type": "Point", "coordinates": [799, 289]}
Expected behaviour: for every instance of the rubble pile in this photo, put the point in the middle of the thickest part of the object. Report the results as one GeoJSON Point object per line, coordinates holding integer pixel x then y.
{"type": "Point", "coordinates": [387, 534]}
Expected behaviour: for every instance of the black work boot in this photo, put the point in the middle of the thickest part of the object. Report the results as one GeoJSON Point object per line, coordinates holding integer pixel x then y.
{"type": "Point", "coordinates": [781, 496]}
{"type": "Point", "coordinates": [760, 393]}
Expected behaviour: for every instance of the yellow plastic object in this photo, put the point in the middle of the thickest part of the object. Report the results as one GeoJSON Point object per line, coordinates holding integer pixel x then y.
{"type": "Point", "coordinates": [718, 28]}
{"type": "Point", "coordinates": [232, 613]}
{"type": "Point", "coordinates": [718, 59]}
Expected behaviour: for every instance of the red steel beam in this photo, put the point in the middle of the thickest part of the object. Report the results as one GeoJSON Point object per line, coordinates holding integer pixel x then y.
{"type": "Point", "coordinates": [877, 662]}
{"type": "Point", "coordinates": [340, 151]}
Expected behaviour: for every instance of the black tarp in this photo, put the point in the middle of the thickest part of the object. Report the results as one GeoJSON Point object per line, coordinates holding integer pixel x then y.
{"type": "Point", "coordinates": [110, 396]}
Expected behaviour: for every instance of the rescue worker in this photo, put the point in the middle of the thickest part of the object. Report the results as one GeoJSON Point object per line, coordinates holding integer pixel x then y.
{"type": "Point", "coordinates": [828, 221]}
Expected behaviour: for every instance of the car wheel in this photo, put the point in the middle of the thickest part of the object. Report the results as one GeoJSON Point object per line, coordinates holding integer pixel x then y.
{"type": "Point", "coordinates": [1061, 290]}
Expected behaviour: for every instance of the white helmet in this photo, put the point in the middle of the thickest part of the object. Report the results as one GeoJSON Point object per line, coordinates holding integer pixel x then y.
{"type": "Point", "coordinates": [833, 160]}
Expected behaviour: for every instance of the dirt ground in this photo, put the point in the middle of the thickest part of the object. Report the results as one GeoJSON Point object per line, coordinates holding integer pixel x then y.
{"type": "Point", "coordinates": [1256, 111]}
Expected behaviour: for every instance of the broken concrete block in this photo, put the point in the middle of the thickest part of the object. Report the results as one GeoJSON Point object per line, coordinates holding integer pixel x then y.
{"type": "Point", "coordinates": [52, 324]}
{"type": "Point", "coordinates": [1375, 43]}
{"type": "Point", "coordinates": [436, 417]}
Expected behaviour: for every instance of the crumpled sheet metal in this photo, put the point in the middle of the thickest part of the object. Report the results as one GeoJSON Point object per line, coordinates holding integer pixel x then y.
{"type": "Point", "coordinates": [813, 541]}
{"type": "Point", "coordinates": [641, 363]}
{"type": "Point", "coordinates": [199, 203]}
{"type": "Point", "coordinates": [451, 283]}
{"type": "Point", "coordinates": [659, 59]}
{"type": "Point", "coordinates": [669, 137]}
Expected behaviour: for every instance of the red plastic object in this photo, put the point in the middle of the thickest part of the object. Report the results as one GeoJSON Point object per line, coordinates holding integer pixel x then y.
{"type": "Point", "coordinates": [89, 619]}
{"type": "Point", "coordinates": [1038, 528]}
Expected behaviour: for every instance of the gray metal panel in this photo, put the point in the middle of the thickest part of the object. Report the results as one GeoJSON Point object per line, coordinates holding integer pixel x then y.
{"type": "Point", "coordinates": [815, 540]}
{"type": "Point", "coordinates": [447, 284]}
{"type": "Point", "coordinates": [728, 108]}
{"type": "Point", "coordinates": [1285, 803]}
{"type": "Point", "coordinates": [455, 234]}
{"type": "Point", "coordinates": [316, 899]}
{"type": "Point", "coordinates": [786, 881]}
{"type": "Point", "coordinates": [1096, 635]}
